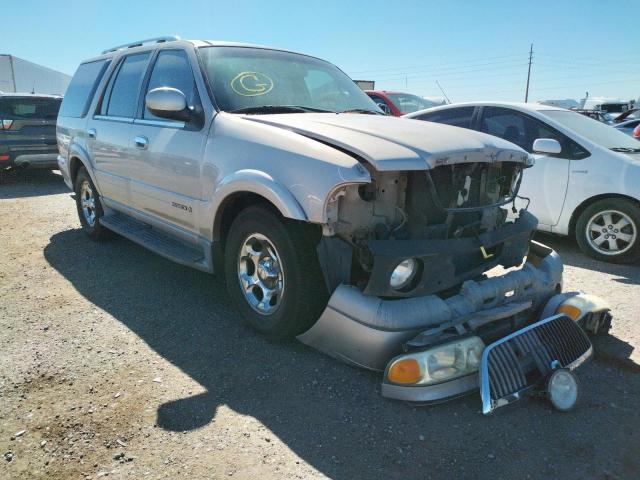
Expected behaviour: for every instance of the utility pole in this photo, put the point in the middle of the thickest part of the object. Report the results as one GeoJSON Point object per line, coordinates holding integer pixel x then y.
{"type": "Point", "coordinates": [526, 95]}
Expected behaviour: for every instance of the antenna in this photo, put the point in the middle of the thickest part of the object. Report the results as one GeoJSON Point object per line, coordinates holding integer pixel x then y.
{"type": "Point", "coordinates": [442, 90]}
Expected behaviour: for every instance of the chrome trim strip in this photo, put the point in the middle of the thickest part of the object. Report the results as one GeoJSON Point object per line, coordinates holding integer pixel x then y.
{"type": "Point", "coordinates": [159, 123]}
{"type": "Point", "coordinates": [113, 119]}
{"type": "Point", "coordinates": [432, 393]}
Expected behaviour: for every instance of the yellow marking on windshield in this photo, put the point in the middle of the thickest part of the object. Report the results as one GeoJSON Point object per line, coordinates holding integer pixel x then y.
{"type": "Point", "coordinates": [251, 84]}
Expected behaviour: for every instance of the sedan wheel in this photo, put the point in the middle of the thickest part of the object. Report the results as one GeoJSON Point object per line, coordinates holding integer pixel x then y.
{"type": "Point", "coordinates": [608, 230]}
{"type": "Point", "coordinates": [611, 232]}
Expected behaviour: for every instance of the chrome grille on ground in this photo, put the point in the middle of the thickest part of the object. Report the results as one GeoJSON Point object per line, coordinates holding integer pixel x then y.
{"type": "Point", "coordinates": [517, 362]}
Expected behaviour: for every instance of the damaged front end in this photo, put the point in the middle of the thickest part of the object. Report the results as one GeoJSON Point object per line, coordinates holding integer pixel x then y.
{"type": "Point", "coordinates": [406, 257]}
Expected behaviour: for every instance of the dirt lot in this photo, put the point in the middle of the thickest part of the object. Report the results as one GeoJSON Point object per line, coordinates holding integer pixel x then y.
{"type": "Point", "coordinates": [115, 362]}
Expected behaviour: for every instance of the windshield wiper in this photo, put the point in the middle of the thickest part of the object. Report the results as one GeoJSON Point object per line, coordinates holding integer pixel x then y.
{"type": "Point", "coordinates": [625, 150]}
{"type": "Point", "coordinates": [278, 109]}
{"type": "Point", "coordinates": [362, 110]}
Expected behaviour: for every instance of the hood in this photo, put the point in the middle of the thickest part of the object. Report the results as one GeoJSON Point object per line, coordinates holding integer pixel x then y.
{"type": "Point", "coordinates": [391, 143]}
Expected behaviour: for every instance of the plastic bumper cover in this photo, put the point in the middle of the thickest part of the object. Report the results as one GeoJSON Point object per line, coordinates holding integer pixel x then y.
{"type": "Point", "coordinates": [368, 331]}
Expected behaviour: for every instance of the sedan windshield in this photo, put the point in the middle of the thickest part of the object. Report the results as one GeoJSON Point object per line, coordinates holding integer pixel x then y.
{"type": "Point", "coordinates": [408, 103]}
{"type": "Point", "coordinates": [598, 132]}
{"type": "Point", "coordinates": [259, 80]}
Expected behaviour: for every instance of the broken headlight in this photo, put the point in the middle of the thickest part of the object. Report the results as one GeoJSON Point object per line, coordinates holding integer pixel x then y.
{"type": "Point", "coordinates": [438, 364]}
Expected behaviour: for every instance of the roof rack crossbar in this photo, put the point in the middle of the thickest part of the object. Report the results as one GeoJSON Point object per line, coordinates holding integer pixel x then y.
{"type": "Point", "coordinates": [168, 38]}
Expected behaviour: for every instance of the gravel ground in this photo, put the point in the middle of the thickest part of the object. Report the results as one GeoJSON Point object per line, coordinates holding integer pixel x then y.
{"type": "Point", "coordinates": [115, 362]}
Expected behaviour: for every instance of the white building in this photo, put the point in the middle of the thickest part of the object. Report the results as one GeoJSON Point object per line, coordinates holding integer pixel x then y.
{"type": "Point", "coordinates": [18, 75]}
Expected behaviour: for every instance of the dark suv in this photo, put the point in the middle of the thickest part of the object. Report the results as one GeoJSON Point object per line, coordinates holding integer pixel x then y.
{"type": "Point", "coordinates": [28, 130]}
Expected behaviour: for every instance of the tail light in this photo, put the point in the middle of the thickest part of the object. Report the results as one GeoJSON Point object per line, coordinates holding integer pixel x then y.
{"type": "Point", "coordinates": [4, 158]}
{"type": "Point", "coordinates": [636, 132]}
{"type": "Point", "coordinates": [6, 124]}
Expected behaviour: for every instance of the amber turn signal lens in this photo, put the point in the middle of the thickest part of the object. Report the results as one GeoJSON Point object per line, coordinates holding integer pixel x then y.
{"type": "Point", "coordinates": [405, 371]}
{"type": "Point", "coordinates": [569, 310]}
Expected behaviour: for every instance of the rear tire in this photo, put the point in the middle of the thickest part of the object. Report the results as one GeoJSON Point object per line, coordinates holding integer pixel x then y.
{"type": "Point", "coordinates": [272, 273]}
{"type": "Point", "coordinates": [609, 230]}
{"type": "Point", "coordinates": [89, 207]}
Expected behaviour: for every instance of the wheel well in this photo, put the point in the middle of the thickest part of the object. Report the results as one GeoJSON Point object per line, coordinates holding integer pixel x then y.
{"type": "Point", "coordinates": [232, 206]}
{"type": "Point", "coordinates": [74, 166]}
{"type": "Point", "coordinates": [590, 201]}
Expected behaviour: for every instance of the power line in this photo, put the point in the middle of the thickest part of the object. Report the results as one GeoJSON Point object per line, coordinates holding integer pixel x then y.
{"type": "Point", "coordinates": [446, 64]}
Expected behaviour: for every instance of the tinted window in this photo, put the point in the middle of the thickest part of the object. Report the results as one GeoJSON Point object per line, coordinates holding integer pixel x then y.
{"type": "Point", "coordinates": [458, 117]}
{"type": "Point", "coordinates": [25, 108]}
{"type": "Point", "coordinates": [172, 69]}
{"type": "Point", "coordinates": [81, 89]}
{"type": "Point", "coordinates": [507, 124]}
{"type": "Point", "coordinates": [523, 130]}
{"type": "Point", "coordinates": [122, 93]}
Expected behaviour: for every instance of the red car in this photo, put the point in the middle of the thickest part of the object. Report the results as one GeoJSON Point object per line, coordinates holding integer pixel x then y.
{"type": "Point", "coordinates": [399, 103]}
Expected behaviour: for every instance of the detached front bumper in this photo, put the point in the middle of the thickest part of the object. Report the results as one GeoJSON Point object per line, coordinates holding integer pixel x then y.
{"type": "Point", "coordinates": [367, 331]}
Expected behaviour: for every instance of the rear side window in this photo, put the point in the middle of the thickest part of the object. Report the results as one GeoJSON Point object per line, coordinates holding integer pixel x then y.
{"type": "Point", "coordinates": [172, 69]}
{"type": "Point", "coordinates": [25, 108]}
{"type": "Point", "coordinates": [121, 95]}
{"type": "Point", "coordinates": [81, 89]}
{"type": "Point", "coordinates": [457, 117]}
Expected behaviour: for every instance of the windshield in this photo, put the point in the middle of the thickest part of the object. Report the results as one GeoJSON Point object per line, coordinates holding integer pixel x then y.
{"type": "Point", "coordinates": [598, 132]}
{"type": "Point", "coordinates": [408, 103]}
{"type": "Point", "coordinates": [250, 78]}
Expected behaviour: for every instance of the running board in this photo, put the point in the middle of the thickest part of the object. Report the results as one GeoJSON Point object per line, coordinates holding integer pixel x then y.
{"type": "Point", "coordinates": [156, 241]}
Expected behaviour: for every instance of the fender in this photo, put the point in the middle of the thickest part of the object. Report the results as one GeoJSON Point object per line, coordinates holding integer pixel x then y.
{"type": "Point", "coordinates": [80, 154]}
{"type": "Point", "coordinates": [260, 183]}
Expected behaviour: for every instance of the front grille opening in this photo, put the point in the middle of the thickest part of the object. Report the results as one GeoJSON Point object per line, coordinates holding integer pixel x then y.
{"type": "Point", "coordinates": [474, 185]}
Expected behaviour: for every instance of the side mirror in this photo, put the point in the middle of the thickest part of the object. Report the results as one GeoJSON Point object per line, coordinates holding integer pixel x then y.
{"type": "Point", "coordinates": [547, 145]}
{"type": "Point", "coordinates": [166, 102]}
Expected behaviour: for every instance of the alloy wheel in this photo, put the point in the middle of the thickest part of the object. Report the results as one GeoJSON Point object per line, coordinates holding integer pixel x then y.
{"type": "Point", "coordinates": [88, 203]}
{"type": "Point", "coordinates": [260, 274]}
{"type": "Point", "coordinates": [611, 232]}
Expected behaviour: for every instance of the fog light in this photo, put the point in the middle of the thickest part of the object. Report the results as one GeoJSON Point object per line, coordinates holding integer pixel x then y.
{"type": "Point", "coordinates": [403, 273]}
{"type": "Point", "coordinates": [562, 389]}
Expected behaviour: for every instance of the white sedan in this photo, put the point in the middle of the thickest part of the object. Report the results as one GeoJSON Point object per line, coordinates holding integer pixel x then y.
{"type": "Point", "coordinates": [586, 177]}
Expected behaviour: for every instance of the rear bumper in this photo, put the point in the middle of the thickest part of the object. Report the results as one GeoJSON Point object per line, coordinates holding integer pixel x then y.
{"type": "Point", "coordinates": [36, 160]}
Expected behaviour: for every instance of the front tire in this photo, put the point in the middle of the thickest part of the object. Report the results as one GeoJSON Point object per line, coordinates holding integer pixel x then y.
{"type": "Point", "coordinates": [89, 207]}
{"type": "Point", "coordinates": [609, 230]}
{"type": "Point", "coordinates": [272, 273]}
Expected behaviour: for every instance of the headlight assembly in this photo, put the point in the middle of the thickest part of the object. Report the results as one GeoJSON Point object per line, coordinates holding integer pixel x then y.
{"type": "Point", "coordinates": [437, 364]}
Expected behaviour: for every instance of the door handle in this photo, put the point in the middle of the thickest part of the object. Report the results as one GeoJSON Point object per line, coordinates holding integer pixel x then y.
{"type": "Point", "coordinates": [141, 142]}
{"type": "Point", "coordinates": [91, 132]}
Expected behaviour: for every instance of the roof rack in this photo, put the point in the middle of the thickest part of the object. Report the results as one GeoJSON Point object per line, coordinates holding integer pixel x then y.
{"type": "Point", "coordinates": [148, 41]}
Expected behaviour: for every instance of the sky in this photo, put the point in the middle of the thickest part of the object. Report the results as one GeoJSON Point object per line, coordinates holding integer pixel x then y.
{"type": "Point", "coordinates": [476, 50]}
